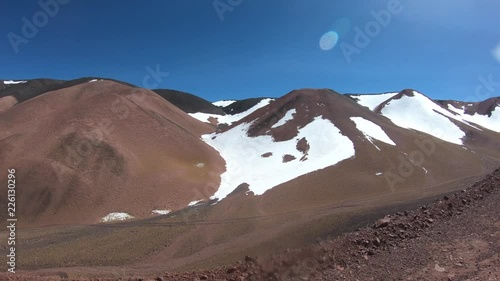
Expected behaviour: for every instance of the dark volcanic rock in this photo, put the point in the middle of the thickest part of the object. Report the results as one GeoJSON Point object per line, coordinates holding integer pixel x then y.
{"type": "Point", "coordinates": [189, 103]}
{"type": "Point", "coordinates": [241, 105]}
{"type": "Point", "coordinates": [288, 158]}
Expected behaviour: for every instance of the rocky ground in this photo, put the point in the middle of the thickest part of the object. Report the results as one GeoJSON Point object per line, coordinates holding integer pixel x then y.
{"type": "Point", "coordinates": [454, 238]}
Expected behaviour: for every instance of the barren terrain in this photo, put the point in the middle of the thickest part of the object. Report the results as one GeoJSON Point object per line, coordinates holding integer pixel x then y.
{"type": "Point", "coordinates": [456, 237]}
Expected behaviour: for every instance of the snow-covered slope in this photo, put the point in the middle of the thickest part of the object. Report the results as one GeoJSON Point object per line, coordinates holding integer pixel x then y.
{"type": "Point", "coordinates": [413, 110]}
{"type": "Point", "coordinates": [419, 113]}
{"type": "Point", "coordinates": [371, 130]}
{"type": "Point", "coordinates": [223, 103]}
{"type": "Point", "coordinates": [288, 116]}
{"type": "Point", "coordinates": [372, 101]}
{"type": "Point", "coordinates": [260, 161]}
{"type": "Point", "coordinates": [317, 130]}
{"type": "Point", "coordinates": [229, 119]}
{"type": "Point", "coordinates": [489, 122]}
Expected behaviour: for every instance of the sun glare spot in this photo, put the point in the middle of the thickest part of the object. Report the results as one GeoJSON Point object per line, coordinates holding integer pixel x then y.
{"type": "Point", "coordinates": [328, 40]}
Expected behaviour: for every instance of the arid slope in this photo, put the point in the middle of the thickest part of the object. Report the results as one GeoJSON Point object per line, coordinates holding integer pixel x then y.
{"type": "Point", "coordinates": [89, 150]}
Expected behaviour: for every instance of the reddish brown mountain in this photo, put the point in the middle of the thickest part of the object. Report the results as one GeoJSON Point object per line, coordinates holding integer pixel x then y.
{"type": "Point", "coordinates": [310, 164]}
{"type": "Point", "coordinates": [89, 150]}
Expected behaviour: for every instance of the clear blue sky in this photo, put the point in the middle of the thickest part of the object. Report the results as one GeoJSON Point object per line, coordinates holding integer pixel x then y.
{"type": "Point", "coordinates": [261, 47]}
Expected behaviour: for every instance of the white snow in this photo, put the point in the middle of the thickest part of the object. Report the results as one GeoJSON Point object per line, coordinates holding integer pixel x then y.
{"type": "Point", "coordinates": [459, 110]}
{"type": "Point", "coordinates": [223, 103]}
{"type": "Point", "coordinates": [422, 114]}
{"type": "Point", "coordinates": [229, 118]}
{"type": "Point", "coordinates": [371, 130]}
{"type": "Point", "coordinates": [194, 203]}
{"type": "Point", "coordinates": [93, 80]}
{"type": "Point", "coordinates": [378, 174]}
{"type": "Point", "coordinates": [491, 123]}
{"type": "Point", "coordinates": [116, 217]}
{"type": "Point", "coordinates": [244, 164]}
{"type": "Point", "coordinates": [11, 82]}
{"type": "Point", "coordinates": [161, 212]}
{"type": "Point", "coordinates": [372, 101]}
{"type": "Point", "coordinates": [371, 141]}
{"type": "Point", "coordinates": [288, 116]}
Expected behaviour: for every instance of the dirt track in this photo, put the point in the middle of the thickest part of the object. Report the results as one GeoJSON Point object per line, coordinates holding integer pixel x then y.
{"type": "Point", "coordinates": [454, 238]}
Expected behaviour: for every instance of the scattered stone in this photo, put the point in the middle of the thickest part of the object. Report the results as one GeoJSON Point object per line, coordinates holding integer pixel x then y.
{"type": "Point", "coordinates": [250, 259]}
{"type": "Point", "coordinates": [438, 268]}
{"type": "Point", "coordinates": [383, 222]}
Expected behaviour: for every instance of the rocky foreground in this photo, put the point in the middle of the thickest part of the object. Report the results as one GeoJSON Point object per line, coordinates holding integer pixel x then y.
{"type": "Point", "coordinates": [454, 238]}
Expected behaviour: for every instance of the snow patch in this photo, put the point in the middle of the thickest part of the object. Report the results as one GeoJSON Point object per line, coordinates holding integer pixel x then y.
{"type": "Point", "coordinates": [422, 114]}
{"type": "Point", "coordinates": [194, 203]}
{"type": "Point", "coordinates": [458, 110]}
{"type": "Point", "coordinates": [288, 116]}
{"type": "Point", "coordinates": [161, 212]}
{"type": "Point", "coordinates": [116, 217]}
{"type": "Point", "coordinates": [223, 103]}
{"type": "Point", "coordinates": [12, 82]}
{"type": "Point", "coordinates": [244, 164]}
{"type": "Point", "coordinates": [378, 174]}
{"type": "Point", "coordinates": [371, 130]}
{"type": "Point", "coordinates": [229, 118]}
{"type": "Point", "coordinates": [489, 122]}
{"type": "Point", "coordinates": [372, 101]}
{"type": "Point", "coordinates": [371, 141]}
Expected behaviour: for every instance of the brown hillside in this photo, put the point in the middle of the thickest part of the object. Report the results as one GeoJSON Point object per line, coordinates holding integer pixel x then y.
{"type": "Point", "coordinates": [95, 148]}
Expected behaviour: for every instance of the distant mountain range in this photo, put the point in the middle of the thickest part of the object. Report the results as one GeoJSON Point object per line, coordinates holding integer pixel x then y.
{"type": "Point", "coordinates": [90, 147]}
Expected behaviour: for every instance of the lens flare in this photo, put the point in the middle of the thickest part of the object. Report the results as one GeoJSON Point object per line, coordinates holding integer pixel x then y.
{"type": "Point", "coordinates": [328, 40]}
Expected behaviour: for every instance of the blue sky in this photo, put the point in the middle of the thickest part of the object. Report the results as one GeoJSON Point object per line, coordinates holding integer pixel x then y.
{"type": "Point", "coordinates": [251, 48]}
